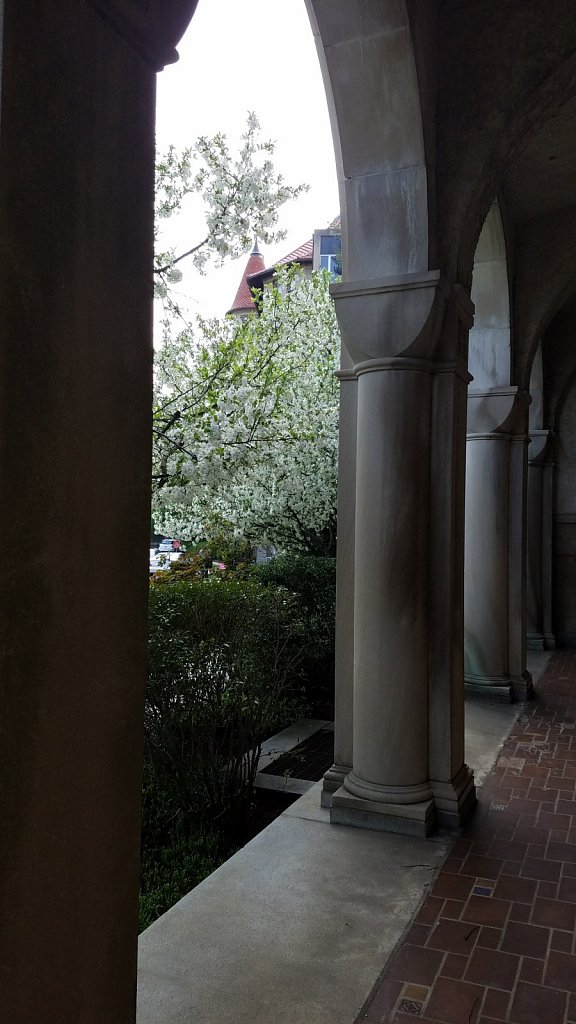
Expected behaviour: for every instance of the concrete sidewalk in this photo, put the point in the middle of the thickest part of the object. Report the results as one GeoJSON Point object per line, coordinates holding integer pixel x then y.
{"type": "Point", "coordinates": [297, 926]}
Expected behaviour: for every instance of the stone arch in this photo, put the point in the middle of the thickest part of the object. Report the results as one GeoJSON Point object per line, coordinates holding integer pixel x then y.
{"type": "Point", "coordinates": [368, 63]}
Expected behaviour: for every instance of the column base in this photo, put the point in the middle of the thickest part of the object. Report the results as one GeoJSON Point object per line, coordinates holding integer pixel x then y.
{"type": "Point", "coordinates": [497, 688]}
{"type": "Point", "coordinates": [534, 642]}
{"type": "Point", "coordinates": [522, 686]}
{"type": "Point", "coordinates": [409, 819]}
{"type": "Point", "coordinates": [549, 642]}
{"type": "Point", "coordinates": [455, 800]}
{"type": "Point", "coordinates": [333, 779]}
{"type": "Point", "coordinates": [506, 689]}
{"type": "Point", "coordinates": [380, 793]}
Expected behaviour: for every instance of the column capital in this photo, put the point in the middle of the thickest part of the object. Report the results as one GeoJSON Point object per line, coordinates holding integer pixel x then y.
{"type": "Point", "coordinates": [394, 363]}
{"type": "Point", "coordinates": [385, 318]}
{"type": "Point", "coordinates": [151, 27]}
{"type": "Point", "coordinates": [497, 411]}
{"type": "Point", "coordinates": [538, 447]}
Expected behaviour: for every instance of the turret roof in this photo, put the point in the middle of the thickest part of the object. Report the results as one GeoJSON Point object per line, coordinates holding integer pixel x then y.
{"type": "Point", "coordinates": [244, 303]}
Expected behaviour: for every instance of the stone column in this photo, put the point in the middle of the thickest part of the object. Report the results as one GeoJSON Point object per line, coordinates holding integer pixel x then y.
{"type": "Point", "coordinates": [548, 548]}
{"type": "Point", "coordinates": [76, 233]}
{"type": "Point", "coordinates": [450, 777]}
{"type": "Point", "coordinates": [517, 600]}
{"type": "Point", "coordinates": [539, 549]}
{"type": "Point", "coordinates": [495, 575]}
{"type": "Point", "coordinates": [392, 502]}
{"type": "Point", "coordinates": [390, 330]}
{"type": "Point", "coordinates": [344, 654]}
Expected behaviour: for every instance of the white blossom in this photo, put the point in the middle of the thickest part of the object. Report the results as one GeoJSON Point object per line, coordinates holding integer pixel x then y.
{"type": "Point", "coordinates": [241, 197]}
{"type": "Point", "coordinates": [246, 421]}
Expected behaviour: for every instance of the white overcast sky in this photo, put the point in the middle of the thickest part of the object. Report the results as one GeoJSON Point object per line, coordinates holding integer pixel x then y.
{"type": "Point", "coordinates": [255, 55]}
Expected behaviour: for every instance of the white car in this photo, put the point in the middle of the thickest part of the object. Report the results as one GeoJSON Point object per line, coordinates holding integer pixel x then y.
{"type": "Point", "coordinates": [161, 560]}
{"type": "Point", "coordinates": [168, 544]}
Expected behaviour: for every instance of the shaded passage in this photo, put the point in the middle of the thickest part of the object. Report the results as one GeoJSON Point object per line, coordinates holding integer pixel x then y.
{"type": "Point", "coordinates": [495, 938]}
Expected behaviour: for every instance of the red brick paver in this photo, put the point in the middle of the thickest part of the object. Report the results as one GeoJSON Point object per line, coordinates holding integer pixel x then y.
{"type": "Point", "coordinates": [495, 940]}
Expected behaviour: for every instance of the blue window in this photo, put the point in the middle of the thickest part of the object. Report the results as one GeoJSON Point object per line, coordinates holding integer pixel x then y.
{"type": "Point", "coordinates": [331, 254]}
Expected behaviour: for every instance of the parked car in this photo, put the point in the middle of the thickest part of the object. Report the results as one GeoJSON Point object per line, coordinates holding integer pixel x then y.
{"type": "Point", "coordinates": [169, 544]}
{"type": "Point", "coordinates": [162, 560]}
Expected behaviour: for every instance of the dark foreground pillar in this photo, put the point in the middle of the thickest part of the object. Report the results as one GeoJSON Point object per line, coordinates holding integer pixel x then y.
{"type": "Point", "coordinates": [76, 194]}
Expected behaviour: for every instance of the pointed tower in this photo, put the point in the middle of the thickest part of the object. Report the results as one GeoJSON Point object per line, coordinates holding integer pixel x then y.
{"type": "Point", "coordinates": [243, 304]}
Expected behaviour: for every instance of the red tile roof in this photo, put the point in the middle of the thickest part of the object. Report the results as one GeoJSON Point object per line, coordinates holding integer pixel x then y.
{"type": "Point", "coordinates": [303, 254]}
{"type": "Point", "coordinates": [244, 301]}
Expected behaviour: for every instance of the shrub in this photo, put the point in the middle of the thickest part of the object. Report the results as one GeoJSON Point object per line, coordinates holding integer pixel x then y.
{"type": "Point", "coordinates": [311, 577]}
{"type": "Point", "coordinates": [225, 671]}
{"type": "Point", "coordinates": [223, 546]}
{"type": "Point", "coordinates": [313, 580]}
{"type": "Point", "coordinates": [223, 666]}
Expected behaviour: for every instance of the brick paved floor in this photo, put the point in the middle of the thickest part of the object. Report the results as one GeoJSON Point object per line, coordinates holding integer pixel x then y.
{"type": "Point", "coordinates": [495, 939]}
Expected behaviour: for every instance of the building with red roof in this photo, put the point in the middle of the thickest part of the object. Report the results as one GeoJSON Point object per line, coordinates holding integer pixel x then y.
{"type": "Point", "coordinates": [243, 304]}
{"type": "Point", "coordinates": [322, 250]}
{"type": "Point", "coordinates": [303, 256]}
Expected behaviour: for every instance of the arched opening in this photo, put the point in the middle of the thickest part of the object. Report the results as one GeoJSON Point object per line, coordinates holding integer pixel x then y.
{"type": "Point", "coordinates": [299, 137]}
{"type": "Point", "coordinates": [210, 90]}
{"type": "Point", "coordinates": [494, 647]}
{"type": "Point", "coordinates": [489, 338]}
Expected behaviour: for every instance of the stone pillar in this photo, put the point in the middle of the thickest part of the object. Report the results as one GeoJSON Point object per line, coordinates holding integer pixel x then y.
{"type": "Point", "coordinates": [344, 654]}
{"type": "Point", "coordinates": [495, 549]}
{"type": "Point", "coordinates": [390, 330]}
{"type": "Point", "coordinates": [76, 233]}
{"type": "Point", "coordinates": [536, 570]}
{"type": "Point", "coordinates": [450, 777]}
{"type": "Point", "coordinates": [548, 470]}
{"type": "Point", "coordinates": [517, 601]}
{"type": "Point", "coordinates": [392, 501]}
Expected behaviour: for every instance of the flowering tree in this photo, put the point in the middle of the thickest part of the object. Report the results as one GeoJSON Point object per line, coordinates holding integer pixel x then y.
{"type": "Point", "coordinates": [246, 422]}
{"type": "Point", "coordinates": [240, 197]}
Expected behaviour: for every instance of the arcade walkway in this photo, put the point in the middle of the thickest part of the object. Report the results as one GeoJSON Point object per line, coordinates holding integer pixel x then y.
{"type": "Point", "coordinates": [495, 938]}
{"type": "Point", "coordinates": [298, 925]}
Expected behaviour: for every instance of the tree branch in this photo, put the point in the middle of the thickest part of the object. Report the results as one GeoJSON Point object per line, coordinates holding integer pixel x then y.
{"type": "Point", "coordinates": [172, 263]}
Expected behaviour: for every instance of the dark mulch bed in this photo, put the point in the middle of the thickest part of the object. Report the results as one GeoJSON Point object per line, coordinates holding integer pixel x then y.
{"type": "Point", "coordinates": [309, 760]}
